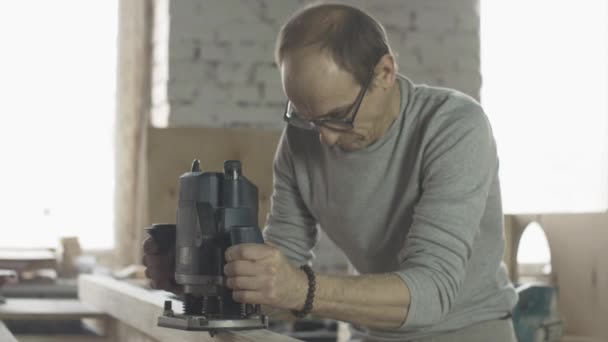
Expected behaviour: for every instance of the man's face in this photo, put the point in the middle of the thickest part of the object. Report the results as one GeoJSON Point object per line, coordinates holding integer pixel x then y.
{"type": "Point", "coordinates": [317, 87]}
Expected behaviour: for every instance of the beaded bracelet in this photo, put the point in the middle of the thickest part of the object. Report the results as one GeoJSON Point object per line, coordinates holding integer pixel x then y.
{"type": "Point", "coordinates": [310, 296]}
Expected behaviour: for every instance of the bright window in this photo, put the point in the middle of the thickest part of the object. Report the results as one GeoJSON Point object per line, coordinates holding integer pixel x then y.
{"type": "Point", "coordinates": [58, 71]}
{"type": "Point", "coordinates": [545, 89]}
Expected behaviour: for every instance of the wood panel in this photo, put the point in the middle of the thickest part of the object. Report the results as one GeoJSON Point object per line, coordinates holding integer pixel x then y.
{"type": "Point", "coordinates": [139, 309]}
{"type": "Point", "coordinates": [46, 309]}
{"type": "Point", "coordinates": [580, 267]}
{"type": "Point", "coordinates": [579, 261]}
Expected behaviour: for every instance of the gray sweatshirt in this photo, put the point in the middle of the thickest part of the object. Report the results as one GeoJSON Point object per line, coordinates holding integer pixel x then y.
{"type": "Point", "coordinates": [422, 202]}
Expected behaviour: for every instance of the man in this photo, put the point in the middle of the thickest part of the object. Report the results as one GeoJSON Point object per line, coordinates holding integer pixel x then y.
{"type": "Point", "coordinates": [402, 177]}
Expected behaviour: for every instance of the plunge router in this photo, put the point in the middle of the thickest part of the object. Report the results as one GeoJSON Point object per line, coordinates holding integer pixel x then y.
{"type": "Point", "coordinates": [215, 211]}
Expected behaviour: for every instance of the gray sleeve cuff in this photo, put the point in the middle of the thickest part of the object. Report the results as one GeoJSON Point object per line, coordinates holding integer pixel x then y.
{"type": "Point", "coordinates": [419, 315]}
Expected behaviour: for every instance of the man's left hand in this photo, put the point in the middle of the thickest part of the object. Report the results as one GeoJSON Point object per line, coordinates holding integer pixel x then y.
{"type": "Point", "coordinates": [261, 274]}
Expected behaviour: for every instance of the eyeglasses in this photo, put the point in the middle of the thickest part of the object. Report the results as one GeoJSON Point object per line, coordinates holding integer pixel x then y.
{"type": "Point", "coordinates": [332, 121]}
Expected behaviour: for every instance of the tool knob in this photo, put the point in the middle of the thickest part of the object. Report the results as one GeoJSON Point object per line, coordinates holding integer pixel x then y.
{"type": "Point", "coordinates": [196, 166]}
{"type": "Point", "coordinates": [233, 169]}
{"type": "Point", "coordinates": [245, 234]}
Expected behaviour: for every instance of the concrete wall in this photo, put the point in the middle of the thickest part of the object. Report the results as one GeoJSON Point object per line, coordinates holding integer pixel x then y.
{"type": "Point", "coordinates": [214, 59]}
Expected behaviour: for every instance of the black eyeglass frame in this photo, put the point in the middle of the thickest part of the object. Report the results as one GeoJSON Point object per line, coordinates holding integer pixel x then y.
{"type": "Point", "coordinates": [340, 125]}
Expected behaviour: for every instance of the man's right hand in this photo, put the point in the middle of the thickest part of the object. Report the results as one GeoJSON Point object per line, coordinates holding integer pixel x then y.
{"type": "Point", "coordinates": [160, 268]}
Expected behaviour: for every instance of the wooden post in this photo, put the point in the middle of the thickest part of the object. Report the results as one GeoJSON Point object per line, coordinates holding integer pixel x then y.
{"type": "Point", "coordinates": [132, 117]}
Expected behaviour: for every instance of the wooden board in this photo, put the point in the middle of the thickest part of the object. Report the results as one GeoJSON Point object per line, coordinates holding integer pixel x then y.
{"type": "Point", "coordinates": [5, 334]}
{"type": "Point", "coordinates": [140, 309]}
{"type": "Point", "coordinates": [16, 254]}
{"type": "Point", "coordinates": [60, 338]}
{"type": "Point", "coordinates": [43, 309]}
{"type": "Point", "coordinates": [27, 259]}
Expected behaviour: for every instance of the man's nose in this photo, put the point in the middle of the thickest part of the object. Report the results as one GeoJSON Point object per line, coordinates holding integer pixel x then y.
{"type": "Point", "coordinates": [328, 137]}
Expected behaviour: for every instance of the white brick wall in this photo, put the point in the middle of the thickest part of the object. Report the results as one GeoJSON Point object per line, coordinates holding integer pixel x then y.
{"type": "Point", "coordinates": [214, 58]}
{"type": "Point", "coordinates": [213, 61]}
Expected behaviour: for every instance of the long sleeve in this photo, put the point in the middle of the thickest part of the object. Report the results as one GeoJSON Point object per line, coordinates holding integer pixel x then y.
{"type": "Point", "coordinates": [290, 226]}
{"type": "Point", "coordinates": [459, 165]}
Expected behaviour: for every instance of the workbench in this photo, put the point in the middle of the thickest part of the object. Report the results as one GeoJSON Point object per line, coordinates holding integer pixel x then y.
{"type": "Point", "coordinates": [51, 311]}
{"type": "Point", "coordinates": [133, 313]}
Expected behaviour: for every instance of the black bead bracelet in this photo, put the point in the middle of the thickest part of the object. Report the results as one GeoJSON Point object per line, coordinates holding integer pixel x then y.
{"type": "Point", "coordinates": [310, 296]}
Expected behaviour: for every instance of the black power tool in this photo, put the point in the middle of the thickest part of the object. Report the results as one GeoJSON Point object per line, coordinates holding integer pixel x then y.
{"type": "Point", "coordinates": [215, 211]}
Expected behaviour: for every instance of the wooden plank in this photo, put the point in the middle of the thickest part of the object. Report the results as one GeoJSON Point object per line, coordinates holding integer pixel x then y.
{"type": "Point", "coordinates": [61, 338]}
{"type": "Point", "coordinates": [27, 259]}
{"type": "Point", "coordinates": [140, 308]}
{"type": "Point", "coordinates": [5, 334]}
{"type": "Point", "coordinates": [17, 254]}
{"type": "Point", "coordinates": [43, 309]}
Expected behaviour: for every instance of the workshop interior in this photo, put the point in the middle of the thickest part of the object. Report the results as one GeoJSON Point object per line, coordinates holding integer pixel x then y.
{"type": "Point", "coordinates": [135, 119]}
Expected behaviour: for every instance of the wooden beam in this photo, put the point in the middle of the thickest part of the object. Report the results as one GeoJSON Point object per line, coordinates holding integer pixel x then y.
{"type": "Point", "coordinates": [133, 104]}
{"type": "Point", "coordinates": [27, 259]}
{"type": "Point", "coordinates": [61, 338]}
{"type": "Point", "coordinates": [43, 309]}
{"type": "Point", "coordinates": [140, 308]}
{"type": "Point", "coordinates": [5, 334]}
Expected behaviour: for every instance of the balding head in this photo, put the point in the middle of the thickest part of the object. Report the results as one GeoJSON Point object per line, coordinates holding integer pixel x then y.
{"type": "Point", "coordinates": [350, 37]}
{"type": "Point", "coordinates": [336, 64]}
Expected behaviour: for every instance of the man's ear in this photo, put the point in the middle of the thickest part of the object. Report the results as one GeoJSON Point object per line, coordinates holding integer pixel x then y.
{"type": "Point", "coordinates": [386, 72]}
